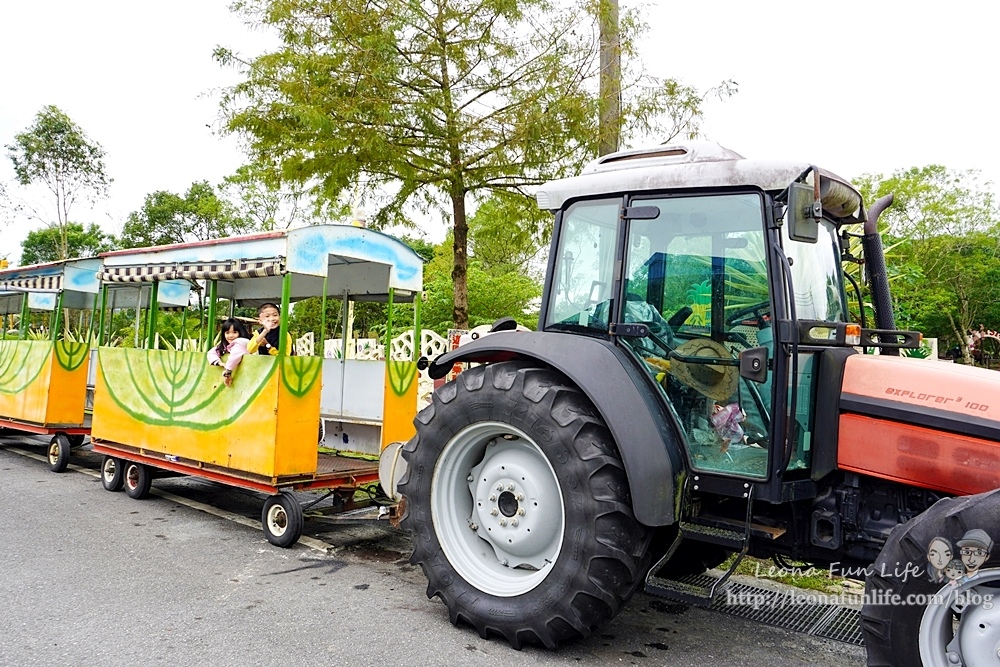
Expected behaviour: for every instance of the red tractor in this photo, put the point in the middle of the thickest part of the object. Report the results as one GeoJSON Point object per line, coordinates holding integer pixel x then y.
{"type": "Point", "coordinates": [697, 383]}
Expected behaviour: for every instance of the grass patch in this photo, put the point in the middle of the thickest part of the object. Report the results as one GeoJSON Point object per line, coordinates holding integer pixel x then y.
{"type": "Point", "coordinates": [809, 578]}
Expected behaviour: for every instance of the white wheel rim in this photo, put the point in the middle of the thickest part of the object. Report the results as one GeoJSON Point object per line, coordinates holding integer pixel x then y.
{"type": "Point", "coordinates": [132, 476]}
{"type": "Point", "coordinates": [497, 509]}
{"type": "Point", "coordinates": [277, 520]}
{"type": "Point", "coordinates": [971, 640]}
{"type": "Point", "coordinates": [109, 469]}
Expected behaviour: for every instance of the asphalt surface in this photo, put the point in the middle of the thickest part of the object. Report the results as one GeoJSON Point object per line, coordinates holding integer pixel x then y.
{"type": "Point", "coordinates": [187, 577]}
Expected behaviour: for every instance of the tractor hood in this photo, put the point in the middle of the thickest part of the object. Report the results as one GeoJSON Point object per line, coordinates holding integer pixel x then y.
{"type": "Point", "coordinates": [927, 423]}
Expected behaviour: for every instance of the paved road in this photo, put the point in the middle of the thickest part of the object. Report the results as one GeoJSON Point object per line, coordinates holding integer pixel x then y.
{"type": "Point", "coordinates": [90, 577]}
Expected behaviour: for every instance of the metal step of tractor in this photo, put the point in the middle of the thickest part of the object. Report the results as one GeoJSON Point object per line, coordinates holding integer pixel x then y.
{"type": "Point", "coordinates": [697, 589]}
{"type": "Point", "coordinates": [725, 537]}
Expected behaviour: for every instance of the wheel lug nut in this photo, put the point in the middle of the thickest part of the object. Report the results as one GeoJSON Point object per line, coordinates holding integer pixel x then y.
{"type": "Point", "coordinates": [474, 526]}
{"type": "Point", "coordinates": [493, 497]}
{"type": "Point", "coordinates": [494, 512]}
{"type": "Point", "coordinates": [503, 522]}
{"type": "Point", "coordinates": [510, 487]}
{"type": "Point", "coordinates": [519, 497]}
{"type": "Point", "coordinates": [520, 511]}
{"type": "Point", "coordinates": [469, 479]}
{"type": "Point", "coordinates": [499, 487]}
{"type": "Point", "coordinates": [513, 522]}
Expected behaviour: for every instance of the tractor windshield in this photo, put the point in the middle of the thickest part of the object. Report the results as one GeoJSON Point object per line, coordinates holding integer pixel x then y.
{"type": "Point", "coordinates": [816, 275]}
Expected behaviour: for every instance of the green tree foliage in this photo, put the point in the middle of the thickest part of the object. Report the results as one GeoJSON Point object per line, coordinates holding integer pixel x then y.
{"type": "Point", "coordinates": [7, 211]}
{"type": "Point", "coordinates": [158, 222]}
{"type": "Point", "coordinates": [166, 218]}
{"type": "Point", "coordinates": [172, 328]}
{"type": "Point", "coordinates": [432, 101]}
{"type": "Point", "coordinates": [667, 109]}
{"type": "Point", "coordinates": [433, 105]}
{"type": "Point", "coordinates": [6, 206]}
{"type": "Point", "coordinates": [45, 245]}
{"type": "Point", "coordinates": [943, 228]}
{"type": "Point", "coordinates": [508, 231]}
{"type": "Point", "coordinates": [500, 291]}
{"type": "Point", "coordinates": [55, 152]}
{"type": "Point", "coordinates": [262, 203]}
{"type": "Point", "coordinates": [932, 200]}
{"type": "Point", "coordinates": [369, 318]}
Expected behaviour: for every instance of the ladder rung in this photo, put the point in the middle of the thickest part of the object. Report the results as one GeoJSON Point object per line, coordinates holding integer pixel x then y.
{"type": "Point", "coordinates": [683, 591]}
{"type": "Point", "coordinates": [713, 534]}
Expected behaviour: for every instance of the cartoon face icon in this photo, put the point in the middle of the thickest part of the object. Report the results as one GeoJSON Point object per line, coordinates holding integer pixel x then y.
{"type": "Point", "coordinates": [974, 548]}
{"type": "Point", "coordinates": [954, 570]}
{"type": "Point", "coordinates": [974, 557]}
{"type": "Point", "coordinates": [939, 553]}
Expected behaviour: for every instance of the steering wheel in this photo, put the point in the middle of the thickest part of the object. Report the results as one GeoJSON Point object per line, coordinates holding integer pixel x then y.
{"type": "Point", "coordinates": [758, 310]}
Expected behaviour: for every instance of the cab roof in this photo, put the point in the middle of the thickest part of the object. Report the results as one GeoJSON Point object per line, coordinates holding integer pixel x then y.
{"type": "Point", "coordinates": [698, 164]}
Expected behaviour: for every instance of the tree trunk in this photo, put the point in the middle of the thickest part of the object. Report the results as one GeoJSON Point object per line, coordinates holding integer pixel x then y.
{"type": "Point", "coordinates": [62, 216]}
{"type": "Point", "coordinates": [609, 128]}
{"type": "Point", "coordinates": [963, 341]}
{"type": "Point", "coordinates": [459, 272]}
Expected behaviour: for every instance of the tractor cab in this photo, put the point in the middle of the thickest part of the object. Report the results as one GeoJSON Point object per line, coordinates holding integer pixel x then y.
{"type": "Point", "coordinates": [695, 263]}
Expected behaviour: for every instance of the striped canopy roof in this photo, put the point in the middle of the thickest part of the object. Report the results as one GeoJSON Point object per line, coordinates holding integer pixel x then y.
{"type": "Point", "coordinates": [222, 270]}
{"type": "Point", "coordinates": [51, 283]}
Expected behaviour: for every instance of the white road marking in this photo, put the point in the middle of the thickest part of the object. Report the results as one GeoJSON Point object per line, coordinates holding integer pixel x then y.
{"type": "Point", "coordinates": [311, 542]}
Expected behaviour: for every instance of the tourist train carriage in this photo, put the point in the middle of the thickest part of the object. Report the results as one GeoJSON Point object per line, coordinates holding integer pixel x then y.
{"type": "Point", "coordinates": [161, 406]}
{"type": "Point", "coordinates": [45, 377]}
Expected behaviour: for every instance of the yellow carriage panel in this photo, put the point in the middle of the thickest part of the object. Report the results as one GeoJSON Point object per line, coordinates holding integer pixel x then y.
{"type": "Point", "coordinates": [297, 438]}
{"type": "Point", "coordinates": [43, 382]}
{"type": "Point", "coordinates": [400, 401]}
{"type": "Point", "coordinates": [175, 404]}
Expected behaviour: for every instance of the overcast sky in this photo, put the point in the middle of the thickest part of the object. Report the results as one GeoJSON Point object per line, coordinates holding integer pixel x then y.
{"type": "Point", "coordinates": [851, 86]}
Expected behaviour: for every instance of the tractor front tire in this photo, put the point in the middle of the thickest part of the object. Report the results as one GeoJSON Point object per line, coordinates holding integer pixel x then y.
{"type": "Point", "coordinates": [914, 618]}
{"type": "Point", "coordinates": [519, 507]}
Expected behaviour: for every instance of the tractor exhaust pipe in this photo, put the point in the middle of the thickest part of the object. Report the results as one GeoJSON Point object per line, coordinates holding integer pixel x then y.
{"type": "Point", "coordinates": [878, 278]}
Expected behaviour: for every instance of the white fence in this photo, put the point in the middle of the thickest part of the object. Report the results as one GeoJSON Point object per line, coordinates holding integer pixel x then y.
{"type": "Point", "coordinates": [400, 349]}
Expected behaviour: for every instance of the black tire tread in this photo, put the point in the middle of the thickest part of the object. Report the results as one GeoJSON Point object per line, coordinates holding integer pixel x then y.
{"type": "Point", "coordinates": [295, 520]}
{"type": "Point", "coordinates": [144, 483]}
{"type": "Point", "coordinates": [118, 481]}
{"type": "Point", "coordinates": [616, 555]}
{"type": "Point", "coordinates": [62, 460]}
{"type": "Point", "coordinates": [890, 631]}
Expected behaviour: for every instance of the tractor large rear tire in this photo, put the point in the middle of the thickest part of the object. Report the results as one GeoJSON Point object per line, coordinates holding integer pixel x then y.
{"type": "Point", "coordinates": [909, 620]}
{"type": "Point", "coordinates": [520, 508]}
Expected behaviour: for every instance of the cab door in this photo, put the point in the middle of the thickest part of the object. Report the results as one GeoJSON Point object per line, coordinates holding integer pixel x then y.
{"type": "Point", "coordinates": [696, 275]}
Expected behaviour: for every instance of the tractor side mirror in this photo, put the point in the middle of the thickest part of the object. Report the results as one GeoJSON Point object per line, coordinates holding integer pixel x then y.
{"type": "Point", "coordinates": [804, 213]}
{"type": "Point", "coordinates": [753, 364]}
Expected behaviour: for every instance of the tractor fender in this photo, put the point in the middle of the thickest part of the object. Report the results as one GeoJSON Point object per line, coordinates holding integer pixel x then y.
{"type": "Point", "coordinates": [640, 424]}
